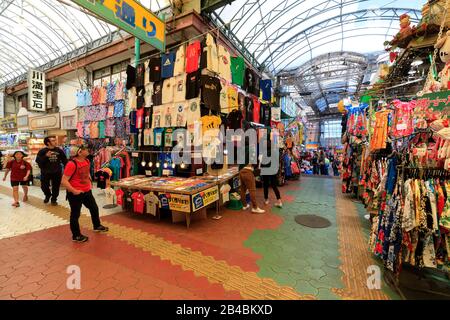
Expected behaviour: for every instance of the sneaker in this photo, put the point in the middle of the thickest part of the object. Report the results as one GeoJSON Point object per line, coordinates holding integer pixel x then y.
{"type": "Point", "coordinates": [266, 202]}
{"type": "Point", "coordinates": [80, 238]}
{"type": "Point", "coordinates": [101, 229]}
{"type": "Point", "coordinates": [246, 207]}
{"type": "Point", "coordinates": [279, 204]}
{"type": "Point", "coordinates": [258, 210]}
{"type": "Point", "coordinates": [47, 199]}
{"type": "Point", "coordinates": [54, 203]}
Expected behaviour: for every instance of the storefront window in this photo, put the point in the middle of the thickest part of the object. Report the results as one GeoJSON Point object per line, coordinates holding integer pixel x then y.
{"type": "Point", "coordinates": [331, 133]}
{"type": "Point", "coordinates": [116, 72]}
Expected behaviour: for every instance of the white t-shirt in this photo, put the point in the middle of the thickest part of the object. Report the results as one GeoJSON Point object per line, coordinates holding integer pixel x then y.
{"type": "Point", "coordinates": [147, 73]}
{"type": "Point", "coordinates": [158, 117]}
{"type": "Point", "coordinates": [132, 98]}
{"type": "Point", "coordinates": [195, 133]}
{"type": "Point", "coordinates": [167, 91]}
{"type": "Point", "coordinates": [211, 50]}
{"type": "Point", "coordinates": [179, 66]}
{"type": "Point", "coordinates": [276, 114]}
{"type": "Point", "coordinates": [193, 113]}
{"type": "Point", "coordinates": [148, 137]}
{"type": "Point", "coordinates": [148, 94]}
{"type": "Point", "coordinates": [225, 191]}
{"type": "Point", "coordinates": [169, 115]}
{"type": "Point", "coordinates": [224, 63]}
{"type": "Point", "coordinates": [110, 196]}
{"type": "Point", "coordinates": [224, 97]}
{"type": "Point", "coordinates": [152, 203]}
{"type": "Point", "coordinates": [179, 89]}
{"type": "Point", "coordinates": [181, 114]}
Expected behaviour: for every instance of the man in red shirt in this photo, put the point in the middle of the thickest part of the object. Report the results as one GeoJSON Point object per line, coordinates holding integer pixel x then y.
{"type": "Point", "coordinates": [20, 173]}
{"type": "Point", "coordinates": [77, 181]}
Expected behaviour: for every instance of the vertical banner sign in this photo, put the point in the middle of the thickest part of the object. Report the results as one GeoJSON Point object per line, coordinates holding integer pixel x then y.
{"type": "Point", "coordinates": [36, 90]}
{"type": "Point", "coordinates": [132, 17]}
{"type": "Point", "coordinates": [2, 104]}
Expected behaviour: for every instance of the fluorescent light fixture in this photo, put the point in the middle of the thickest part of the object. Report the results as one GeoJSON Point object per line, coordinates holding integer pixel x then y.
{"type": "Point", "coordinates": [416, 62]}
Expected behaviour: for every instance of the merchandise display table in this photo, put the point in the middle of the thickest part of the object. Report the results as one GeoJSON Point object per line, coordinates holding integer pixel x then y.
{"type": "Point", "coordinates": [184, 195]}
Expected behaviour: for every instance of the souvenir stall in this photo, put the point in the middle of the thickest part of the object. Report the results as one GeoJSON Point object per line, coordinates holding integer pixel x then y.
{"type": "Point", "coordinates": [177, 104]}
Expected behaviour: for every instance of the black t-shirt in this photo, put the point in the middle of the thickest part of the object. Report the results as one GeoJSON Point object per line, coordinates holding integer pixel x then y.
{"type": "Point", "coordinates": [256, 90]}
{"type": "Point", "coordinates": [249, 81]}
{"type": "Point", "coordinates": [211, 88]}
{"type": "Point", "coordinates": [235, 120]}
{"type": "Point", "coordinates": [249, 109]}
{"type": "Point", "coordinates": [101, 177]}
{"type": "Point", "coordinates": [131, 77]}
{"type": "Point", "coordinates": [140, 74]}
{"type": "Point", "coordinates": [140, 99]}
{"type": "Point", "coordinates": [192, 85]}
{"type": "Point", "coordinates": [157, 94]}
{"type": "Point", "coordinates": [155, 69]}
{"type": "Point", "coordinates": [204, 55]}
{"type": "Point", "coordinates": [266, 114]}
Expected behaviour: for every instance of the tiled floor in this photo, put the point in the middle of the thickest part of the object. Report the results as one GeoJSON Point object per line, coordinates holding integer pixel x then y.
{"type": "Point", "coordinates": [241, 256]}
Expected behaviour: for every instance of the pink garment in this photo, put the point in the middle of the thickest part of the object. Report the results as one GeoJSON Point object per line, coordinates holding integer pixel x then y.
{"type": "Point", "coordinates": [403, 122]}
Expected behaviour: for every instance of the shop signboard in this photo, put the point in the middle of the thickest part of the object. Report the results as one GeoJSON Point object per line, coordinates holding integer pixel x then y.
{"type": "Point", "coordinates": [9, 122]}
{"type": "Point", "coordinates": [132, 17]}
{"type": "Point", "coordinates": [36, 90]}
{"type": "Point", "coordinates": [179, 202]}
{"type": "Point", "coordinates": [46, 122]}
{"type": "Point", "coordinates": [205, 198]}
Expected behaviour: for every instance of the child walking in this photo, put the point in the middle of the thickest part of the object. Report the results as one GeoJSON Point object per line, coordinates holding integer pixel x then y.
{"type": "Point", "coordinates": [20, 173]}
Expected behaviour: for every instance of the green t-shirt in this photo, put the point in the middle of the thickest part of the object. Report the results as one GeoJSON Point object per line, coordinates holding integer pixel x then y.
{"type": "Point", "coordinates": [237, 70]}
{"type": "Point", "coordinates": [101, 130]}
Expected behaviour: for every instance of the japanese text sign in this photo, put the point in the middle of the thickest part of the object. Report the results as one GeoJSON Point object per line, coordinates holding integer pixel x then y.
{"type": "Point", "coordinates": [36, 90]}
{"type": "Point", "coordinates": [130, 16]}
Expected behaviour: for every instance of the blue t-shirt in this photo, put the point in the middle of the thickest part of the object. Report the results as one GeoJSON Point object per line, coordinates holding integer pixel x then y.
{"type": "Point", "coordinates": [80, 99]}
{"type": "Point", "coordinates": [133, 117]}
{"type": "Point", "coordinates": [164, 201]}
{"type": "Point", "coordinates": [119, 106]}
{"type": "Point", "coordinates": [111, 93]}
{"type": "Point", "coordinates": [114, 165]}
{"type": "Point", "coordinates": [167, 65]}
{"type": "Point", "coordinates": [266, 88]}
{"type": "Point", "coordinates": [88, 97]}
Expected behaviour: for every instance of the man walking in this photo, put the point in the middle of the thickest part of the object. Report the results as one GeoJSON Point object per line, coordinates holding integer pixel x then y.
{"type": "Point", "coordinates": [50, 160]}
{"type": "Point", "coordinates": [77, 181]}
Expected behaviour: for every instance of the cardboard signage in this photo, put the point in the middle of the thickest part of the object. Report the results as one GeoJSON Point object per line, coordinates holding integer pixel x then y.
{"type": "Point", "coordinates": [179, 202]}
{"type": "Point", "coordinates": [205, 198]}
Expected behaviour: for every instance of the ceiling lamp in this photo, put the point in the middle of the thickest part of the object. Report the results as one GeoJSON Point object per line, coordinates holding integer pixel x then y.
{"type": "Point", "coordinates": [416, 63]}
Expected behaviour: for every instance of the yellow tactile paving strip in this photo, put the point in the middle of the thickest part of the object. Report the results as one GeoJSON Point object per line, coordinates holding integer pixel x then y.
{"type": "Point", "coordinates": [232, 278]}
{"type": "Point", "coordinates": [354, 253]}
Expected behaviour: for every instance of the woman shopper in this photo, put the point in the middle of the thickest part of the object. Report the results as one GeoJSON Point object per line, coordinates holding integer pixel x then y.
{"type": "Point", "coordinates": [20, 174]}
{"type": "Point", "coordinates": [77, 181]}
{"type": "Point", "coordinates": [248, 182]}
{"type": "Point", "coordinates": [270, 180]}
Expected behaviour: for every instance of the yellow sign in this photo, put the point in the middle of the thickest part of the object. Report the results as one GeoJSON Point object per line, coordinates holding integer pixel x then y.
{"type": "Point", "coordinates": [179, 202]}
{"type": "Point", "coordinates": [132, 17]}
{"type": "Point", "coordinates": [205, 198]}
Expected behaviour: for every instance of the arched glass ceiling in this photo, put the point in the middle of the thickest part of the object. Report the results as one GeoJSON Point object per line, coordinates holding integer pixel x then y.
{"type": "Point", "coordinates": [35, 32]}
{"type": "Point", "coordinates": [283, 34]}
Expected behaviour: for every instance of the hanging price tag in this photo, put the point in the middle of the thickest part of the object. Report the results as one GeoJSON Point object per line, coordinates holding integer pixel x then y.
{"type": "Point", "coordinates": [135, 154]}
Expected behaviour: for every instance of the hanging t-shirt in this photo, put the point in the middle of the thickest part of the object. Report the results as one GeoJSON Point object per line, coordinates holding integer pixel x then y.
{"type": "Point", "coordinates": [237, 70]}
{"type": "Point", "coordinates": [167, 91]}
{"type": "Point", "coordinates": [181, 114]}
{"type": "Point", "coordinates": [131, 77]}
{"type": "Point", "coordinates": [101, 130]}
{"type": "Point", "coordinates": [266, 88]}
{"type": "Point", "coordinates": [276, 114]}
{"type": "Point", "coordinates": [110, 196]}
{"type": "Point", "coordinates": [155, 69]}
{"type": "Point", "coordinates": [163, 201]}
{"type": "Point", "coordinates": [140, 118]}
{"type": "Point", "coordinates": [132, 98]}
{"type": "Point", "coordinates": [249, 106]}
{"type": "Point", "coordinates": [224, 63]}
{"type": "Point", "coordinates": [179, 89]}
{"type": "Point", "coordinates": [159, 132]}
{"type": "Point", "coordinates": [256, 110]}
{"type": "Point", "coordinates": [140, 101]}
{"type": "Point", "coordinates": [157, 117]}
{"type": "Point", "coordinates": [192, 85]}
{"type": "Point", "coordinates": [224, 108]}
{"type": "Point", "coordinates": [235, 120]}
{"type": "Point", "coordinates": [195, 133]}
{"type": "Point", "coordinates": [193, 112]}
{"type": "Point", "coordinates": [80, 127]}
{"type": "Point", "coordinates": [211, 88]}
{"type": "Point", "coordinates": [169, 115]}
{"type": "Point", "coordinates": [265, 114]}
{"type": "Point", "coordinates": [152, 203]}
{"type": "Point", "coordinates": [193, 52]}
{"type": "Point", "coordinates": [148, 95]}
{"type": "Point", "coordinates": [119, 107]}
{"type": "Point", "coordinates": [101, 177]}
{"type": "Point", "coordinates": [119, 197]}
{"type": "Point", "coordinates": [167, 65]}
{"type": "Point", "coordinates": [120, 91]}
{"type": "Point", "coordinates": [210, 123]}
{"type": "Point", "coordinates": [109, 130]}
{"type": "Point", "coordinates": [147, 72]}
{"type": "Point", "coordinates": [93, 130]}
{"type": "Point", "coordinates": [138, 203]}
{"type": "Point", "coordinates": [249, 81]}
{"type": "Point", "coordinates": [115, 165]}
{"type": "Point", "coordinates": [211, 54]}
{"type": "Point", "coordinates": [157, 94]}
{"type": "Point", "coordinates": [180, 62]}
{"type": "Point", "coordinates": [148, 137]}
{"type": "Point", "coordinates": [110, 113]}
{"type": "Point", "coordinates": [232, 95]}
{"type": "Point", "coordinates": [140, 76]}
{"type": "Point", "coordinates": [168, 137]}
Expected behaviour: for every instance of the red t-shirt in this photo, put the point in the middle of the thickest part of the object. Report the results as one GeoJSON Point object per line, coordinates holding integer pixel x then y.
{"type": "Point", "coordinates": [119, 196]}
{"type": "Point", "coordinates": [193, 52]}
{"type": "Point", "coordinates": [140, 118]}
{"type": "Point", "coordinates": [139, 202]}
{"type": "Point", "coordinates": [256, 109]}
{"type": "Point", "coordinates": [80, 173]}
{"type": "Point", "coordinates": [18, 169]}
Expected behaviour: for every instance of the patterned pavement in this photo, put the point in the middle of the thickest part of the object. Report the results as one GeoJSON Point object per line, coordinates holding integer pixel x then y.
{"type": "Point", "coordinates": [241, 256]}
